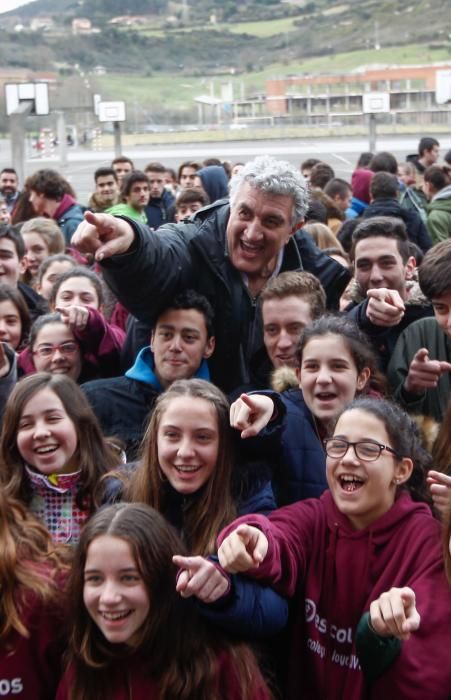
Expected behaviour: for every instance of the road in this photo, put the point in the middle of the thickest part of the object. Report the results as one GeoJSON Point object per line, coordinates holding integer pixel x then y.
{"type": "Point", "coordinates": [340, 153]}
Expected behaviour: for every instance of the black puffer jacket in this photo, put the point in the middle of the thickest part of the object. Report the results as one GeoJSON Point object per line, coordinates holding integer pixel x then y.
{"type": "Point", "coordinates": [193, 254]}
{"type": "Point", "coordinates": [416, 230]}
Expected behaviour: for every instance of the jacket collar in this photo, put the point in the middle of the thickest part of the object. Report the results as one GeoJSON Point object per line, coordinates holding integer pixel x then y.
{"type": "Point", "coordinates": [144, 370]}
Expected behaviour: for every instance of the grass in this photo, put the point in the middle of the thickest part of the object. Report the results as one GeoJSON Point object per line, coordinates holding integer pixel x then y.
{"type": "Point", "coordinates": [262, 29]}
{"type": "Point", "coordinates": [174, 91]}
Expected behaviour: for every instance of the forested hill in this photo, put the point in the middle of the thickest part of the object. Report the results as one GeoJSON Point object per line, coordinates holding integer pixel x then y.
{"type": "Point", "coordinates": [202, 36]}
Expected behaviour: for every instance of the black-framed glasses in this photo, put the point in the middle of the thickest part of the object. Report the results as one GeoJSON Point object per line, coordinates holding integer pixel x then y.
{"type": "Point", "coordinates": [366, 450]}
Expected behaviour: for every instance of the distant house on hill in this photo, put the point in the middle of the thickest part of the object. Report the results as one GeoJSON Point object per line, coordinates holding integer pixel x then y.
{"type": "Point", "coordinates": [81, 25]}
{"type": "Point", "coordinates": [43, 24]}
{"type": "Point", "coordinates": [131, 20]}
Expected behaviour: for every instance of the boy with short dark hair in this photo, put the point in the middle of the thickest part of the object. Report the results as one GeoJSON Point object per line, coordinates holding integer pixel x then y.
{"type": "Point", "coordinates": [420, 368]}
{"type": "Point", "coordinates": [181, 342]}
{"type": "Point", "coordinates": [188, 201]}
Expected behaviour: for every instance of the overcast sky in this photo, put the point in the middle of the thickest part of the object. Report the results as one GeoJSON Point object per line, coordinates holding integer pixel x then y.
{"type": "Point", "coordinates": [6, 5]}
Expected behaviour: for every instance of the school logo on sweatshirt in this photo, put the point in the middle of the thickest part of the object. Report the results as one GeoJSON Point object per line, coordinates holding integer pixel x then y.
{"type": "Point", "coordinates": [341, 636]}
{"type": "Point", "coordinates": [12, 686]}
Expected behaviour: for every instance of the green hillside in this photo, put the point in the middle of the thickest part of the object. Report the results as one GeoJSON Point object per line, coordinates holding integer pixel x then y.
{"type": "Point", "coordinates": [174, 54]}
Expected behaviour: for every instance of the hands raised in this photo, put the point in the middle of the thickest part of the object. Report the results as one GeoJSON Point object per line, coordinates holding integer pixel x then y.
{"type": "Point", "coordinates": [394, 614]}
{"type": "Point", "coordinates": [385, 307]}
{"type": "Point", "coordinates": [4, 362]}
{"type": "Point", "coordinates": [251, 414]}
{"type": "Point", "coordinates": [74, 316]}
{"type": "Point", "coordinates": [424, 373]}
{"type": "Point", "coordinates": [440, 488]}
{"type": "Point", "coordinates": [103, 235]}
{"type": "Point", "coordinates": [245, 548]}
{"type": "Point", "coordinates": [201, 578]}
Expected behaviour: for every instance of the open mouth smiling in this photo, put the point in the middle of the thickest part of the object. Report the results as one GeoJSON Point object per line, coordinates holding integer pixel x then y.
{"type": "Point", "coordinates": [325, 396]}
{"type": "Point", "coordinates": [46, 449]}
{"type": "Point", "coordinates": [115, 616]}
{"type": "Point", "coordinates": [350, 482]}
{"type": "Point", "coordinates": [186, 469]}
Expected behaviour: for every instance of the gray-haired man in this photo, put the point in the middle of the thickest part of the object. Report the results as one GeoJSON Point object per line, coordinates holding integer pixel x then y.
{"type": "Point", "coordinates": [227, 252]}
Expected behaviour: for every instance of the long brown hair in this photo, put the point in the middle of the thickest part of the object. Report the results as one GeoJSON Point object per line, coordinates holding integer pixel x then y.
{"type": "Point", "coordinates": [29, 563]}
{"type": "Point", "coordinates": [177, 649]}
{"type": "Point", "coordinates": [214, 508]}
{"type": "Point", "coordinates": [94, 456]}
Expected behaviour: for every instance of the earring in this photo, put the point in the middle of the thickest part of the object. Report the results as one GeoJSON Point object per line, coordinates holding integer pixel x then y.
{"type": "Point", "coordinates": [396, 481]}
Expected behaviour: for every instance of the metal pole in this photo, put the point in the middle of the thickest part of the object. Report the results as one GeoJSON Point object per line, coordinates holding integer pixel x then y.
{"type": "Point", "coordinates": [17, 129]}
{"type": "Point", "coordinates": [372, 133]}
{"type": "Point", "coordinates": [62, 138]}
{"type": "Point", "coordinates": [117, 139]}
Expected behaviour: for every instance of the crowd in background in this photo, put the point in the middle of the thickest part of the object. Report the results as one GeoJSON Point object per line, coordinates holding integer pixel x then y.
{"type": "Point", "coordinates": [226, 431]}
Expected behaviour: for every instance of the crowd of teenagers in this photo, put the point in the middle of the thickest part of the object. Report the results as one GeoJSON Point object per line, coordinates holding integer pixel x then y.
{"type": "Point", "coordinates": [225, 450]}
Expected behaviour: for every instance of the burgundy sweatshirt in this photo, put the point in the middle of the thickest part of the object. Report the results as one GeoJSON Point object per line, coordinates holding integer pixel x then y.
{"type": "Point", "coordinates": [30, 668]}
{"type": "Point", "coordinates": [132, 681]}
{"type": "Point", "coordinates": [334, 572]}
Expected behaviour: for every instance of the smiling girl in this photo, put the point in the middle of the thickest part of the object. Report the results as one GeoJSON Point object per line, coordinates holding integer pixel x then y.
{"type": "Point", "coordinates": [50, 270]}
{"type": "Point", "coordinates": [186, 470]}
{"type": "Point", "coordinates": [132, 635]}
{"type": "Point", "coordinates": [78, 296]}
{"type": "Point", "coordinates": [53, 453]}
{"type": "Point", "coordinates": [42, 238]}
{"type": "Point", "coordinates": [335, 363]}
{"type": "Point", "coordinates": [53, 348]}
{"type": "Point", "coordinates": [14, 317]}
{"type": "Point", "coordinates": [58, 345]}
{"type": "Point", "coordinates": [347, 552]}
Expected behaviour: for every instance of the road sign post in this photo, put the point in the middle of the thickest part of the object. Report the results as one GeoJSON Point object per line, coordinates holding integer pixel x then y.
{"type": "Point", "coordinates": [374, 103]}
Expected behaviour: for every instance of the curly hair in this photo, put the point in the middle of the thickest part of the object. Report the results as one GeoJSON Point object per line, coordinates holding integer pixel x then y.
{"type": "Point", "coordinates": [276, 177]}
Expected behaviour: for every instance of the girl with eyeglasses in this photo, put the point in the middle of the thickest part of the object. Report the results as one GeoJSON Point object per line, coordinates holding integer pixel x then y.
{"type": "Point", "coordinates": [53, 453]}
{"type": "Point", "coordinates": [336, 363]}
{"type": "Point", "coordinates": [56, 347]}
{"type": "Point", "coordinates": [370, 546]}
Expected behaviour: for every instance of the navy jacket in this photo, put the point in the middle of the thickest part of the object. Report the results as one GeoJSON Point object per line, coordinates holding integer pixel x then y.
{"type": "Point", "coordinates": [416, 229]}
{"type": "Point", "coordinates": [160, 210]}
{"type": "Point", "coordinates": [291, 444]}
{"type": "Point", "coordinates": [122, 404]}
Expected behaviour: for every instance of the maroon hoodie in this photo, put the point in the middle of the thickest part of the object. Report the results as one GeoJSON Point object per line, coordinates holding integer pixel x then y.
{"type": "Point", "coordinates": [132, 681]}
{"type": "Point", "coordinates": [335, 572]}
{"type": "Point", "coordinates": [30, 666]}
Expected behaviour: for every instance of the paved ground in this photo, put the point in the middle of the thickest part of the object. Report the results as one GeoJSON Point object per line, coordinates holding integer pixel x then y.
{"type": "Point", "coordinates": [340, 153]}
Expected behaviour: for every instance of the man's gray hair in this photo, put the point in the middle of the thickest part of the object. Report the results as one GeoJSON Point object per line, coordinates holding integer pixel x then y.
{"type": "Point", "coordinates": [275, 177]}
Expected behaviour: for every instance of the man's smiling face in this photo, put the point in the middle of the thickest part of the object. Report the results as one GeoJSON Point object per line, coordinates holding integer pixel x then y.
{"type": "Point", "coordinates": [260, 224]}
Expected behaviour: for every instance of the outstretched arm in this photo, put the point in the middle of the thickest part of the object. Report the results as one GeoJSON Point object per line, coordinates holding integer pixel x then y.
{"type": "Point", "coordinates": [251, 413]}
{"type": "Point", "coordinates": [380, 633]}
{"type": "Point", "coordinates": [243, 549]}
{"type": "Point", "coordinates": [103, 235]}
{"type": "Point", "coordinates": [440, 488]}
{"type": "Point", "coordinates": [234, 603]}
{"type": "Point", "coordinates": [394, 614]}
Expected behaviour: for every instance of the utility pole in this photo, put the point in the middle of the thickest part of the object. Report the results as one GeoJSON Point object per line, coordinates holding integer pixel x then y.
{"type": "Point", "coordinates": [185, 11]}
{"type": "Point", "coordinates": [377, 44]}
